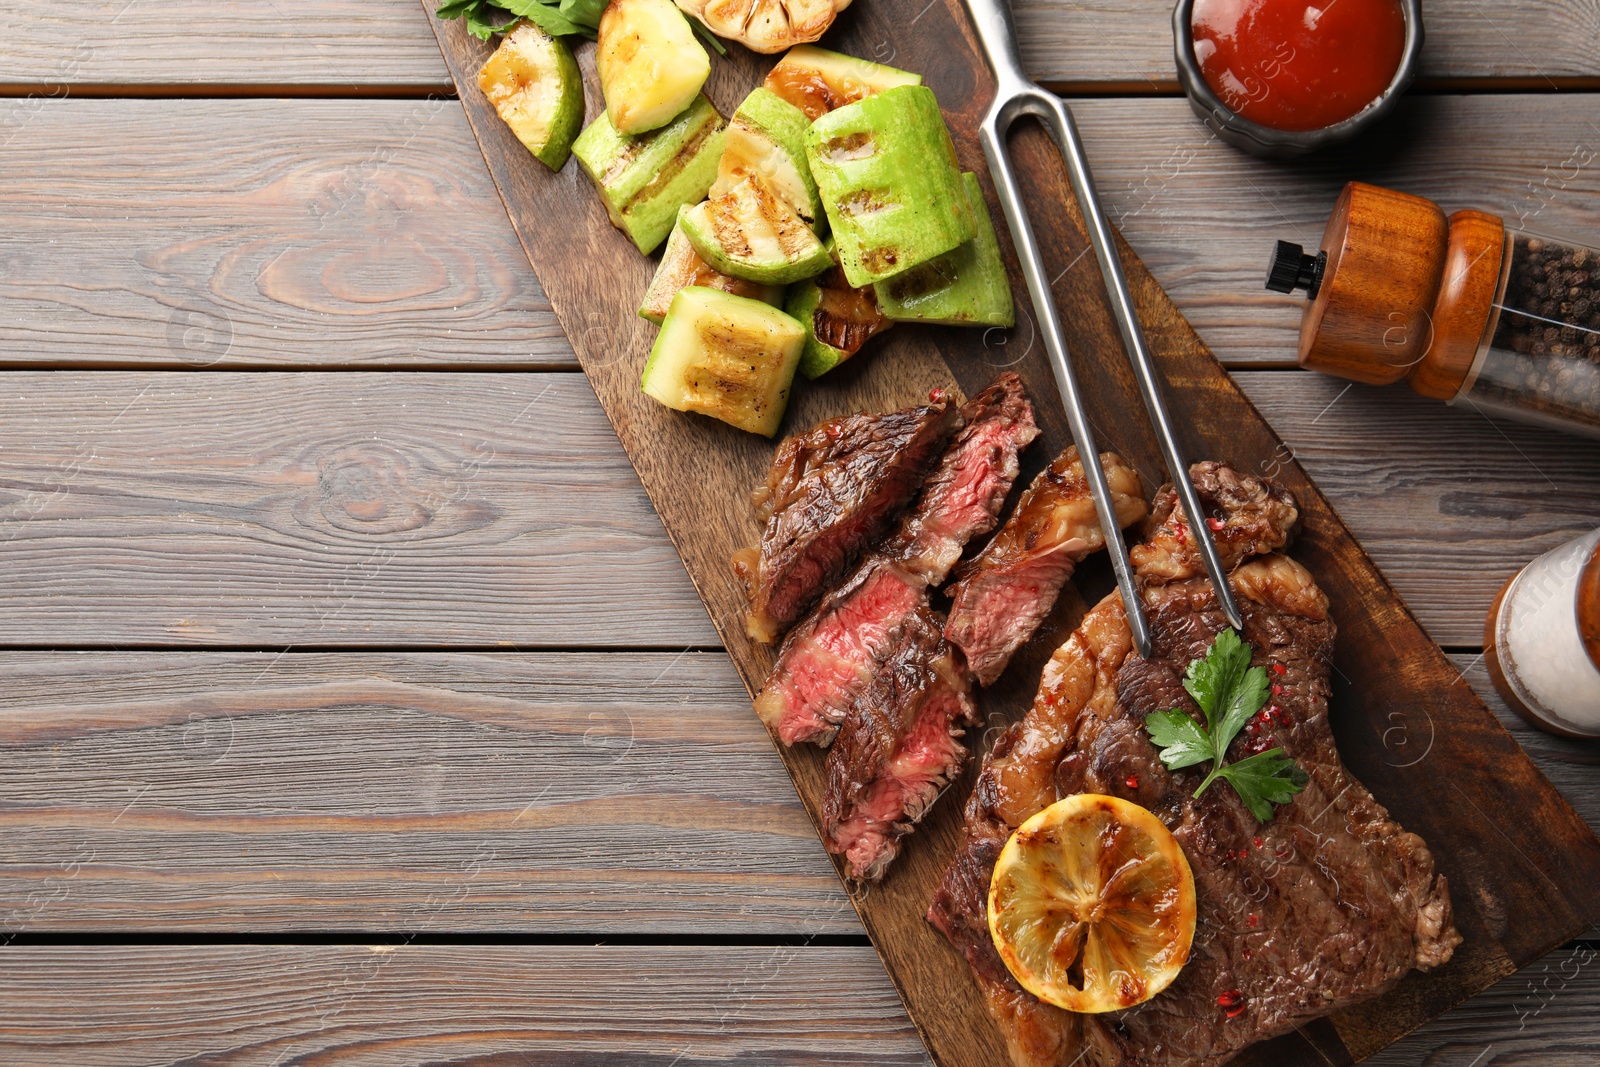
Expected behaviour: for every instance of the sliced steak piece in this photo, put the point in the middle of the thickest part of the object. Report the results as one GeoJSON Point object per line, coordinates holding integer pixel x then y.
{"type": "Point", "coordinates": [832, 492]}
{"type": "Point", "coordinates": [1328, 903]}
{"type": "Point", "coordinates": [831, 655]}
{"type": "Point", "coordinates": [1002, 595]}
{"type": "Point", "coordinates": [897, 749]}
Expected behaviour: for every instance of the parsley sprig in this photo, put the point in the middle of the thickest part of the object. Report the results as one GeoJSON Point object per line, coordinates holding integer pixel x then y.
{"type": "Point", "coordinates": [1229, 691]}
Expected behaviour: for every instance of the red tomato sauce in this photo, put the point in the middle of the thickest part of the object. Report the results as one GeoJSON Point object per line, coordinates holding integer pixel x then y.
{"type": "Point", "coordinates": [1294, 65]}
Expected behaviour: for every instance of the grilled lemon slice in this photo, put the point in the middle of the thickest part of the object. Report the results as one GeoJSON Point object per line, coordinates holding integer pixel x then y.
{"type": "Point", "coordinates": [1092, 904]}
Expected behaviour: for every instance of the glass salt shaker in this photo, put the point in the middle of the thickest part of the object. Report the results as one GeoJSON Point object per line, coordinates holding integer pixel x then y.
{"type": "Point", "coordinates": [1461, 307]}
{"type": "Point", "coordinates": [1542, 640]}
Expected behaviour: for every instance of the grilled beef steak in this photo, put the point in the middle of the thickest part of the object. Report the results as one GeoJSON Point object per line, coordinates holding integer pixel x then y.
{"type": "Point", "coordinates": [831, 655]}
{"type": "Point", "coordinates": [897, 749]}
{"type": "Point", "coordinates": [1002, 595]}
{"type": "Point", "coordinates": [1327, 904]}
{"type": "Point", "coordinates": [830, 493]}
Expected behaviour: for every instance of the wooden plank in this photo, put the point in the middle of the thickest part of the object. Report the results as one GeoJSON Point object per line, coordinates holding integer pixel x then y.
{"type": "Point", "coordinates": [218, 233]}
{"type": "Point", "coordinates": [499, 1006]}
{"type": "Point", "coordinates": [362, 46]}
{"type": "Point", "coordinates": [697, 476]}
{"type": "Point", "coordinates": [467, 1006]}
{"type": "Point", "coordinates": [163, 510]}
{"type": "Point", "coordinates": [197, 233]}
{"type": "Point", "coordinates": [1203, 216]}
{"type": "Point", "coordinates": [268, 510]}
{"type": "Point", "coordinates": [577, 794]}
{"type": "Point", "coordinates": [1391, 461]}
{"type": "Point", "coordinates": [337, 46]}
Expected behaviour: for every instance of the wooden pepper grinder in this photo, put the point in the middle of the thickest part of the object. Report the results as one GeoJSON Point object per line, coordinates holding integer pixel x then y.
{"type": "Point", "coordinates": [1460, 307]}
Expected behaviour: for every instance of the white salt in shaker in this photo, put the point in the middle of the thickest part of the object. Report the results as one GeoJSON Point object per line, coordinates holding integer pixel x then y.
{"type": "Point", "coordinates": [1542, 640]}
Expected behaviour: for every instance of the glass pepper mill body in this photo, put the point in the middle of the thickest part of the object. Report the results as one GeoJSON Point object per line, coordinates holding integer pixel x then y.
{"type": "Point", "coordinates": [1462, 308]}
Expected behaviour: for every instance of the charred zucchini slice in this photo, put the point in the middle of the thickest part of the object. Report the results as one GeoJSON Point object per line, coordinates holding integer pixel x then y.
{"type": "Point", "coordinates": [725, 356]}
{"type": "Point", "coordinates": [646, 179]}
{"type": "Point", "coordinates": [889, 182]}
{"type": "Point", "coordinates": [839, 318]}
{"type": "Point", "coordinates": [534, 84]}
{"type": "Point", "coordinates": [650, 64]}
{"type": "Point", "coordinates": [817, 81]}
{"type": "Point", "coordinates": [964, 287]}
{"type": "Point", "coordinates": [767, 138]}
{"type": "Point", "coordinates": [748, 232]}
{"type": "Point", "coordinates": [681, 268]}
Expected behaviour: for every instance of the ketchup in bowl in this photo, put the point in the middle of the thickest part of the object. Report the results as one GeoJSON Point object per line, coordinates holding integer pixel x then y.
{"type": "Point", "coordinates": [1294, 65]}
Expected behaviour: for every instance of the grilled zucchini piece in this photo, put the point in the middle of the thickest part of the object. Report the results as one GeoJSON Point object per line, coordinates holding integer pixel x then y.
{"type": "Point", "coordinates": [889, 182]}
{"type": "Point", "coordinates": [839, 318]}
{"type": "Point", "coordinates": [725, 356]}
{"type": "Point", "coordinates": [533, 82]}
{"type": "Point", "coordinates": [646, 179]}
{"type": "Point", "coordinates": [748, 232]}
{"type": "Point", "coordinates": [767, 138]}
{"type": "Point", "coordinates": [650, 64]}
{"type": "Point", "coordinates": [964, 287]}
{"type": "Point", "coordinates": [681, 268]}
{"type": "Point", "coordinates": [817, 81]}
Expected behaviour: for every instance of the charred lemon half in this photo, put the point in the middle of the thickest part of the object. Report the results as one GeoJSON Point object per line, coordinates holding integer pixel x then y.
{"type": "Point", "coordinates": [1092, 904]}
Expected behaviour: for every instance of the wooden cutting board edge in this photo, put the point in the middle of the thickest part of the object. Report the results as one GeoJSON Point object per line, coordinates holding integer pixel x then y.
{"type": "Point", "coordinates": [1354, 1041]}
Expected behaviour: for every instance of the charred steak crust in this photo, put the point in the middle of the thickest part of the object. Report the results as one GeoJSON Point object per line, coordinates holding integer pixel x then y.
{"type": "Point", "coordinates": [1327, 904]}
{"type": "Point", "coordinates": [830, 493]}
{"type": "Point", "coordinates": [1004, 593]}
{"type": "Point", "coordinates": [897, 749]}
{"type": "Point", "coordinates": [833, 653]}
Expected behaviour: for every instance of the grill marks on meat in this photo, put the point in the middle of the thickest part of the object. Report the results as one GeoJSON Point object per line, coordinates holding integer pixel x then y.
{"type": "Point", "coordinates": [897, 749]}
{"type": "Point", "coordinates": [1333, 905]}
{"type": "Point", "coordinates": [1003, 594]}
{"type": "Point", "coordinates": [834, 652]}
{"type": "Point", "coordinates": [831, 492]}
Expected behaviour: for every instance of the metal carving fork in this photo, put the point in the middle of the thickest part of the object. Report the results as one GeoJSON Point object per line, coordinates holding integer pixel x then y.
{"type": "Point", "coordinates": [1016, 96]}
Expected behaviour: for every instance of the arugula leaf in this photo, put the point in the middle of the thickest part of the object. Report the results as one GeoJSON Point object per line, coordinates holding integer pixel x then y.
{"type": "Point", "coordinates": [1265, 779]}
{"type": "Point", "coordinates": [1229, 691]}
{"type": "Point", "coordinates": [558, 18]}
{"type": "Point", "coordinates": [1183, 741]}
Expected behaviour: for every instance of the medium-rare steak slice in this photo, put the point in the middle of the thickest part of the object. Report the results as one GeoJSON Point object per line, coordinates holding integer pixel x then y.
{"type": "Point", "coordinates": [1328, 903]}
{"type": "Point", "coordinates": [897, 749]}
{"type": "Point", "coordinates": [832, 492]}
{"type": "Point", "coordinates": [831, 655]}
{"type": "Point", "coordinates": [1001, 596]}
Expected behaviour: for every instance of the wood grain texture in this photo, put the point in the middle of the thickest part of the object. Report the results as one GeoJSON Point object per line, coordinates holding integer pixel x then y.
{"type": "Point", "coordinates": [202, 234]}
{"type": "Point", "coordinates": [268, 510]}
{"type": "Point", "coordinates": [165, 510]}
{"type": "Point", "coordinates": [1385, 658]}
{"type": "Point", "coordinates": [538, 1006]}
{"type": "Point", "coordinates": [353, 46]}
{"type": "Point", "coordinates": [468, 1006]}
{"type": "Point", "coordinates": [365, 233]}
{"type": "Point", "coordinates": [1391, 462]}
{"type": "Point", "coordinates": [1203, 216]}
{"type": "Point", "coordinates": [613, 793]}
{"type": "Point", "coordinates": [575, 794]}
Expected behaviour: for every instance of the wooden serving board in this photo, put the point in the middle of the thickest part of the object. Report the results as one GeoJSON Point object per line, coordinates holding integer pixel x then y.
{"type": "Point", "coordinates": [1522, 865]}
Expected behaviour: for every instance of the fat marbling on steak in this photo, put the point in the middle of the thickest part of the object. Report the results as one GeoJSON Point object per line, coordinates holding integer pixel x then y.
{"type": "Point", "coordinates": [1004, 593]}
{"type": "Point", "coordinates": [898, 747]}
{"type": "Point", "coordinates": [833, 653]}
{"type": "Point", "coordinates": [1328, 903]}
{"type": "Point", "coordinates": [830, 493]}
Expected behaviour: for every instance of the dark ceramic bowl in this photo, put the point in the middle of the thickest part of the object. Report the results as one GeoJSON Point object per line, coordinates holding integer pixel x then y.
{"type": "Point", "coordinates": [1265, 141]}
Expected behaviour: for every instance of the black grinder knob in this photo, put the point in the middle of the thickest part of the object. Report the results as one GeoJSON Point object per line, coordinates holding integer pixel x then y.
{"type": "Point", "coordinates": [1290, 269]}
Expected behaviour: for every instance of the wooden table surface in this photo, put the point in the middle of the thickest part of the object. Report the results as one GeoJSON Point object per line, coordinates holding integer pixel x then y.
{"type": "Point", "coordinates": [354, 707]}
